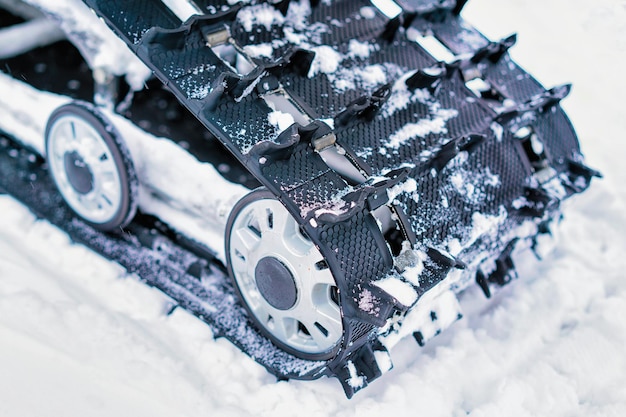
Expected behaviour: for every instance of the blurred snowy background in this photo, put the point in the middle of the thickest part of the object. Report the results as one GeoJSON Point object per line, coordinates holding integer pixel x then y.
{"type": "Point", "coordinates": [78, 337]}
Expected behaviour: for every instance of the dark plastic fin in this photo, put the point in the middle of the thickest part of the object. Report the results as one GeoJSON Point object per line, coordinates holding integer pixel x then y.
{"type": "Point", "coordinates": [578, 168]}
{"type": "Point", "coordinates": [507, 116]}
{"type": "Point", "coordinates": [429, 78]}
{"type": "Point", "coordinates": [300, 61]}
{"type": "Point", "coordinates": [408, 18]}
{"type": "Point", "coordinates": [364, 107]}
{"type": "Point", "coordinates": [379, 195]}
{"type": "Point", "coordinates": [505, 269]}
{"type": "Point", "coordinates": [444, 259]}
{"type": "Point", "coordinates": [360, 368]}
{"type": "Point", "coordinates": [459, 7]}
{"type": "Point", "coordinates": [580, 176]}
{"type": "Point", "coordinates": [366, 195]}
{"type": "Point", "coordinates": [552, 97]}
{"type": "Point", "coordinates": [538, 201]}
{"type": "Point", "coordinates": [419, 338]}
{"type": "Point", "coordinates": [220, 87]}
{"type": "Point", "coordinates": [195, 269]}
{"type": "Point", "coordinates": [353, 204]}
{"type": "Point", "coordinates": [451, 149]}
{"type": "Point", "coordinates": [391, 28]}
{"type": "Point", "coordinates": [540, 103]}
{"type": "Point", "coordinates": [483, 283]}
{"type": "Point", "coordinates": [282, 6]}
{"type": "Point", "coordinates": [352, 110]}
{"type": "Point", "coordinates": [281, 149]}
{"type": "Point", "coordinates": [493, 51]}
{"type": "Point", "coordinates": [171, 309]}
{"type": "Point", "coordinates": [295, 60]}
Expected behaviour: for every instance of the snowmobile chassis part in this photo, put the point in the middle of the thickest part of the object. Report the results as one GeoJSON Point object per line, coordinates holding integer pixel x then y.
{"type": "Point", "coordinates": [381, 178]}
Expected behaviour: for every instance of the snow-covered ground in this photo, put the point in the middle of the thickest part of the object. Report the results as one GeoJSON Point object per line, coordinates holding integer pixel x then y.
{"type": "Point", "coordinates": [78, 337]}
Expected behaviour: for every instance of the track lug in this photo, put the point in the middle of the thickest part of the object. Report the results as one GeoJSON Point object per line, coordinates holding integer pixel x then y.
{"type": "Point", "coordinates": [435, 315]}
{"type": "Point", "coordinates": [196, 268]}
{"type": "Point", "coordinates": [468, 143]}
{"type": "Point", "coordinates": [365, 365]}
{"type": "Point", "coordinates": [483, 283]}
{"type": "Point", "coordinates": [505, 268]}
{"type": "Point", "coordinates": [494, 50]}
{"type": "Point", "coordinates": [581, 175]}
{"type": "Point", "coordinates": [459, 7]}
{"type": "Point", "coordinates": [429, 78]}
{"type": "Point", "coordinates": [391, 28]}
{"type": "Point", "coordinates": [364, 107]}
{"type": "Point", "coordinates": [540, 103]}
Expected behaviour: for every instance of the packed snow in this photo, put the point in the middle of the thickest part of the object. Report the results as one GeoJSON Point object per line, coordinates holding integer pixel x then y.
{"type": "Point", "coordinates": [80, 337]}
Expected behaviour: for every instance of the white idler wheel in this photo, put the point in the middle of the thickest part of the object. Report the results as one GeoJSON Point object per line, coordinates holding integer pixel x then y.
{"type": "Point", "coordinates": [282, 278]}
{"type": "Point", "coordinates": [91, 166]}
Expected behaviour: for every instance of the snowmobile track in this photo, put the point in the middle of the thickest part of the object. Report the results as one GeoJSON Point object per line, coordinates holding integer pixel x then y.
{"type": "Point", "coordinates": [445, 164]}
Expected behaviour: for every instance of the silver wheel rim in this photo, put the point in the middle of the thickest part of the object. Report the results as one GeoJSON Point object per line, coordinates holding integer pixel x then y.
{"type": "Point", "coordinates": [264, 229]}
{"type": "Point", "coordinates": [73, 134]}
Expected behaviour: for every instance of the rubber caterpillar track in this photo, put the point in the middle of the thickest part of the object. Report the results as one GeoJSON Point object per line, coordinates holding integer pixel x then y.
{"type": "Point", "coordinates": [435, 147]}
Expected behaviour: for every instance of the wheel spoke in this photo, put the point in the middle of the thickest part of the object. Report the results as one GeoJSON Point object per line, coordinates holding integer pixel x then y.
{"type": "Point", "coordinates": [284, 224]}
{"type": "Point", "coordinates": [89, 202]}
{"type": "Point", "coordinates": [107, 183]}
{"type": "Point", "coordinates": [66, 133]}
{"type": "Point", "coordinates": [320, 276]}
{"type": "Point", "coordinates": [62, 141]}
{"type": "Point", "coordinates": [283, 327]}
{"type": "Point", "coordinates": [263, 219]}
{"type": "Point", "coordinates": [240, 265]}
{"type": "Point", "coordinates": [72, 131]}
{"type": "Point", "coordinates": [104, 200]}
{"type": "Point", "coordinates": [82, 132]}
{"type": "Point", "coordinates": [325, 330]}
{"type": "Point", "coordinates": [244, 240]}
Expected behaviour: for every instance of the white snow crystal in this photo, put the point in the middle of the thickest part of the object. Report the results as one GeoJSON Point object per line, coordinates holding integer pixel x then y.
{"type": "Point", "coordinates": [368, 12]}
{"type": "Point", "coordinates": [498, 130]}
{"type": "Point", "coordinates": [401, 97]}
{"type": "Point", "coordinates": [260, 15]}
{"type": "Point", "coordinates": [261, 50]}
{"type": "Point", "coordinates": [357, 49]}
{"type": "Point", "coordinates": [436, 124]}
{"type": "Point", "coordinates": [472, 185]}
{"type": "Point", "coordinates": [383, 360]}
{"type": "Point", "coordinates": [366, 301]}
{"type": "Point", "coordinates": [484, 224]}
{"type": "Point", "coordinates": [409, 186]}
{"type": "Point", "coordinates": [355, 380]}
{"type": "Point", "coordinates": [398, 289]}
{"type": "Point", "coordinates": [366, 78]}
{"type": "Point", "coordinates": [411, 263]}
{"type": "Point", "coordinates": [472, 38]}
{"type": "Point", "coordinates": [326, 61]}
{"type": "Point", "coordinates": [280, 120]}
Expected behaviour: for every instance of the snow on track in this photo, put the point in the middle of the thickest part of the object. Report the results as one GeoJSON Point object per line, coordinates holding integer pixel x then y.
{"type": "Point", "coordinates": [78, 337]}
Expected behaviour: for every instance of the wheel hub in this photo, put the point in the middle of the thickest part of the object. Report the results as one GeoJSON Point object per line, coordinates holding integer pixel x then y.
{"type": "Point", "coordinates": [78, 173]}
{"type": "Point", "coordinates": [281, 276]}
{"type": "Point", "coordinates": [276, 283]}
